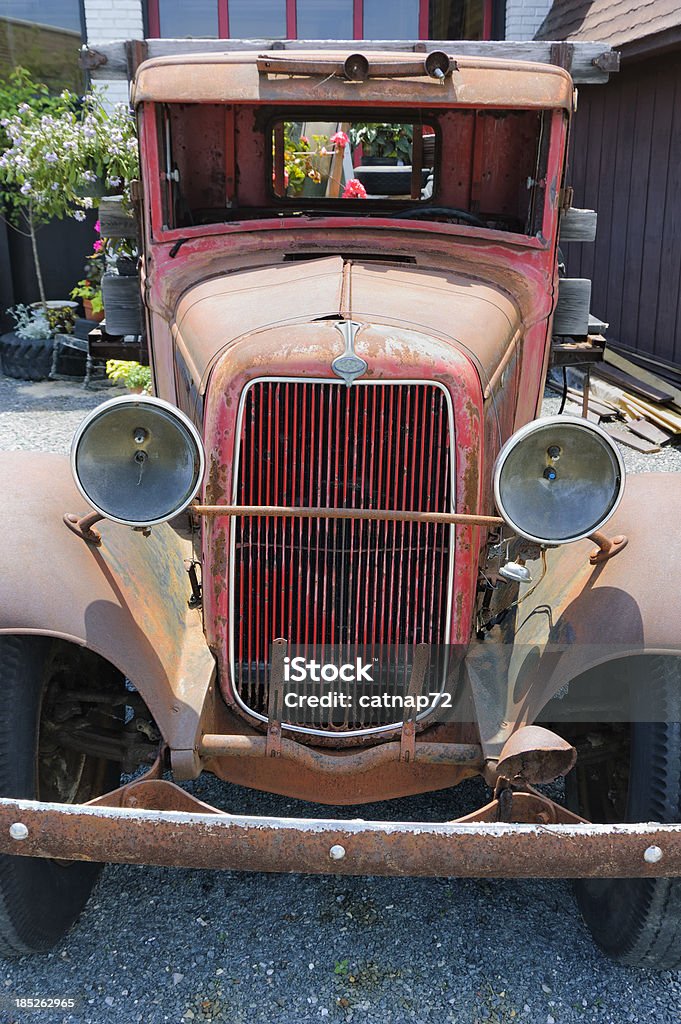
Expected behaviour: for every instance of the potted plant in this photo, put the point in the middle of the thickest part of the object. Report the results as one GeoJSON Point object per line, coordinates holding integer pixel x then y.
{"type": "Point", "coordinates": [382, 143]}
{"type": "Point", "coordinates": [91, 297]}
{"type": "Point", "coordinates": [133, 375]}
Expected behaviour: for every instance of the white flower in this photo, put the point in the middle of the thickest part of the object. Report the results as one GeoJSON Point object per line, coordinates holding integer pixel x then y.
{"type": "Point", "coordinates": [89, 176]}
{"type": "Point", "coordinates": [23, 108]}
{"type": "Point", "coordinates": [79, 215]}
{"type": "Point", "coordinates": [114, 182]}
{"type": "Point", "coordinates": [86, 201]}
{"type": "Point", "coordinates": [51, 158]}
{"type": "Point", "coordinates": [54, 186]}
{"type": "Point", "coordinates": [25, 188]}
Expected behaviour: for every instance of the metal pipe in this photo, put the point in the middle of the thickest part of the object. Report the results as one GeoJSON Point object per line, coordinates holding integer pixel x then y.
{"type": "Point", "coordinates": [455, 518]}
{"type": "Point", "coordinates": [355, 763]}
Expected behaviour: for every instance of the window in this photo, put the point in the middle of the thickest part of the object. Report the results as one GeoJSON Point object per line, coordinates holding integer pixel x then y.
{"type": "Point", "coordinates": [43, 38]}
{"type": "Point", "coordinates": [60, 13]}
{"type": "Point", "coordinates": [458, 19]}
{"type": "Point", "coordinates": [318, 19]}
{"type": "Point", "coordinates": [324, 19]}
{"type": "Point", "coordinates": [397, 20]}
{"type": "Point", "coordinates": [257, 19]}
{"type": "Point", "coordinates": [178, 19]}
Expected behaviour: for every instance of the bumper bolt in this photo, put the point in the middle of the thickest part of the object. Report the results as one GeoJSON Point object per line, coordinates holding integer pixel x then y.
{"type": "Point", "coordinates": [337, 852]}
{"type": "Point", "coordinates": [18, 830]}
{"type": "Point", "coordinates": [652, 855]}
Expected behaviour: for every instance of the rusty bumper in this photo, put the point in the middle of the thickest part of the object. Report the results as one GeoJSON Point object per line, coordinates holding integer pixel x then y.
{"type": "Point", "coordinates": [216, 840]}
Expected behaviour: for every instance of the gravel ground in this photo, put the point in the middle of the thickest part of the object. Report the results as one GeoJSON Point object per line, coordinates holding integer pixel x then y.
{"type": "Point", "coordinates": [158, 945]}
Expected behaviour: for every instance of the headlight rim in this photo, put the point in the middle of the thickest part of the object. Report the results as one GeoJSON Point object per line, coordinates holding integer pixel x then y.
{"type": "Point", "coordinates": [133, 400]}
{"type": "Point", "coordinates": [532, 427]}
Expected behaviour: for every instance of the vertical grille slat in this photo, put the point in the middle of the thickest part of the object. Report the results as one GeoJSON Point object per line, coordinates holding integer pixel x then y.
{"type": "Point", "coordinates": [341, 583]}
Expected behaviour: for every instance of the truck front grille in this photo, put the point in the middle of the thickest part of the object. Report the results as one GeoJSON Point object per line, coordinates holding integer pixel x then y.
{"type": "Point", "coordinates": [339, 582]}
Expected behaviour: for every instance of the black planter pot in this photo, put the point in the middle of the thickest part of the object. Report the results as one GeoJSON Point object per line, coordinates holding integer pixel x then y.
{"type": "Point", "coordinates": [122, 303]}
{"type": "Point", "coordinates": [26, 359]}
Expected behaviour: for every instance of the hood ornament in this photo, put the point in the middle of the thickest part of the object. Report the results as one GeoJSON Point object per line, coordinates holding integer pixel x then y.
{"type": "Point", "coordinates": [349, 365]}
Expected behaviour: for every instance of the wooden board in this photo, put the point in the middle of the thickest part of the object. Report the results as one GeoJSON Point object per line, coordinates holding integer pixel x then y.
{"type": "Point", "coordinates": [109, 60]}
{"type": "Point", "coordinates": [578, 226]}
{"type": "Point", "coordinates": [614, 358]}
{"type": "Point", "coordinates": [620, 433]}
{"type": "Point", "coordinates": [629, 382]}
{"type": "Point", "coordinates": [650, 431]}
{"type": "Point", "coordinates": [571, 315]}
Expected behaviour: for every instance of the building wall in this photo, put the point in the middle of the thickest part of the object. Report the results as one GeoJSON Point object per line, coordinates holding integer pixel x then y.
{"type": "Point", "coordinates": [523, 18]}
{"type": "Point", "coordinates": [626, 165]}
{"type": "Point", "coordinates": [113, 19]}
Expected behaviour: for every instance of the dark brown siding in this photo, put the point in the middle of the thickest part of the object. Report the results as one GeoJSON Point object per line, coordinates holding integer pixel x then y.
{"type": "Point", "coordinates": [626, 164]}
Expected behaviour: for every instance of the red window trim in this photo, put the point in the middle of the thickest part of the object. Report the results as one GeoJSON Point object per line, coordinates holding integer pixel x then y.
{"type": "Point", "coordinates": [154, 19]}
{"type": "Point", "coordinates": [358, 19]}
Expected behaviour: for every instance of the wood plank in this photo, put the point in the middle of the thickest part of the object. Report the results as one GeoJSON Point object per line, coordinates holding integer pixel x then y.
{"type": "Point", "coordinates": [115, 221]}
{"type": "Point", "coordinates": [668, 309]}
{"type": "Point", "coordinates": [622, 159]}
{"type": "Point", "coordinates": [108, 59]}
{"type": "Point", "coordinates": [571, 315]}
{"type": "Point", "coordinates": [621, 433]}
{"type": "Point", "coordinates": [631, 383]}
{"type": "Point", "coordinates": [651, 432]}
{"type": "Point", "coordinates": [654, 276]}
{"type": "Point", "coordinates": [614, 358]}
{"type": "Point", "coordinates": [578, 226]}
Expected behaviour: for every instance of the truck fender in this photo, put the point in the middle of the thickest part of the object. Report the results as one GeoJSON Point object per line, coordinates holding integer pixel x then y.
{"type": "Point", "coordinates": [126, 600]}
{"type": "Point", "coordinates": [583, 616]}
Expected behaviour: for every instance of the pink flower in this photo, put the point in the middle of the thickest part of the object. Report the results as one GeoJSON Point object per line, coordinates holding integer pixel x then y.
{"type": "Point", "coordinates": [339, 139]}
{"type": "Point", "coordinates": [98, 245]}
{"type": "Point", "coordinates": [354, 189]}
{"type": "Point", "coordinates": [98, 227]}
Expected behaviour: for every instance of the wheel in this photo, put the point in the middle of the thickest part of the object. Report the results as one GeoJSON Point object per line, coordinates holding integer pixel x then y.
{"type": "Point", "coordinates": [26, 359]}
{"type": "Point", "coordinates": [40, 899]}
{"type": "Point", "coordinates": [637, 921]}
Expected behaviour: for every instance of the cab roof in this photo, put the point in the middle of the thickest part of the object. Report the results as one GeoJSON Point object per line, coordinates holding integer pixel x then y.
{"type": "Point", "coordinates": [235, 78]}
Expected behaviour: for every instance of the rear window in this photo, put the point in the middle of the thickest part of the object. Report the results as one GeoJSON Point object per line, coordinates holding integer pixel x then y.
{"type": "Point", "coordinates": [356, 160]}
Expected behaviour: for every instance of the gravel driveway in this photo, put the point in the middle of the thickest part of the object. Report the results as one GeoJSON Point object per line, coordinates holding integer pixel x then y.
{"type": "Point", "coordinates": [159, 945]}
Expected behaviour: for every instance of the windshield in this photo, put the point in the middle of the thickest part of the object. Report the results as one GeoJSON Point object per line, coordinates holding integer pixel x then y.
{"type": "Point", "coordinates": [221, 163]}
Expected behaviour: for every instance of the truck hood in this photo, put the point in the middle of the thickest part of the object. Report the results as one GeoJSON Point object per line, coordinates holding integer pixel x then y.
{"type": "Point", "coordinates": [474, 315]}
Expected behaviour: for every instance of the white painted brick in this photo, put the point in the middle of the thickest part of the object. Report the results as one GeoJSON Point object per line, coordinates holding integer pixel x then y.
{"type": "Point", "coordinates": [106, 20]}
{"type": "Point", "coordinates": [523, 19]}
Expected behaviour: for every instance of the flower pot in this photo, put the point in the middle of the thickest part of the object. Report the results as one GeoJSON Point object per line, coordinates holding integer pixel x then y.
{"type": "Point", "coordinates": [90, 313]}
{"type": "Point", "coordinates": [122, 304]}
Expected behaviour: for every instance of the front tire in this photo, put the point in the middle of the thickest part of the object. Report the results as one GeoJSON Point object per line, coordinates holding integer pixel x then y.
{"type": "Point", "coordinates": [637, 921]}
{"type": "Point", "coordinates": [40, 899]}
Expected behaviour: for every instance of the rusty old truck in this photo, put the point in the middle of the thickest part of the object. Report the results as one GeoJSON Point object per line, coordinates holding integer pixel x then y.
{"type": "Point", "coordinates": [337, 555]}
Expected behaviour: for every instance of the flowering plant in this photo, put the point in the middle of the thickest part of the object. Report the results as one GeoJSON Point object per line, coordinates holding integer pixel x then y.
{"type": "Point", "coordinates": [55, 156]}
{"type": "Point", "coordinates": [354, 189]}
{"type": "Point", "coordinates": [130, 373]}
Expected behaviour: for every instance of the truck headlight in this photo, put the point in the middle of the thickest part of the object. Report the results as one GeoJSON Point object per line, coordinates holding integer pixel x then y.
{"type": "Point", "coordinates": [558, 479]}
{"type": "Point", "coordinates": [137, 460]}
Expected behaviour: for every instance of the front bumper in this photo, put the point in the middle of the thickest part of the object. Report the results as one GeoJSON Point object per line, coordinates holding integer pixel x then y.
{"type": "Point", "coordinates": [211, 839]}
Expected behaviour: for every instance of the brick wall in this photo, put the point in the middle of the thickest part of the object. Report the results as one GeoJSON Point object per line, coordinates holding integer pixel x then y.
{"type": "Point", "coordinates": [113, 19]}
{"type": "Point", "coordinates": [523, 17]}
